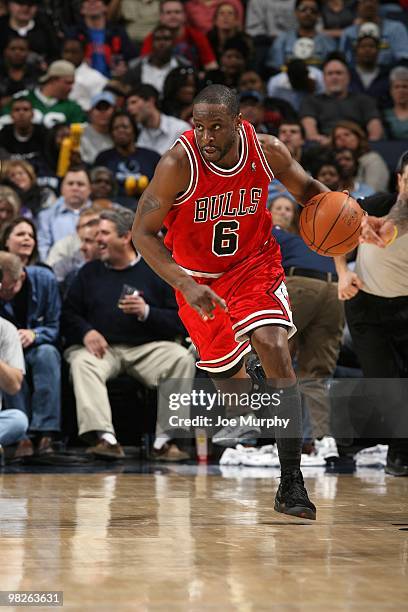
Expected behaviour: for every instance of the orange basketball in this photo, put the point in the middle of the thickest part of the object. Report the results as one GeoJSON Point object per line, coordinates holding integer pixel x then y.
{"type": "Point", "coordinates": [330, 223]}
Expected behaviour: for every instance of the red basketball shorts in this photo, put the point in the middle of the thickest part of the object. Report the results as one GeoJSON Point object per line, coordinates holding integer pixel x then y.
{"type": "Point", "coordinates": [256, 295]}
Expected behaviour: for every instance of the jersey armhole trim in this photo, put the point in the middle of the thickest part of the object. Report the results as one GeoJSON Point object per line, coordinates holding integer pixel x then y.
{"type": "Point", "coordinates": [193, 172]}
{"type": "Point", "coordinates": [262, 157]}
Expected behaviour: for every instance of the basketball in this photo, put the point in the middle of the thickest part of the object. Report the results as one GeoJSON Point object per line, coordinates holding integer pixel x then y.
{"type": "Point", "coordinates": [330, 223]}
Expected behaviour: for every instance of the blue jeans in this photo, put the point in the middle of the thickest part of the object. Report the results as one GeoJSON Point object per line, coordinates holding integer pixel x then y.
{"type": "Point", "coordinates": [13, 426]}
{"type": "Point", "coordinates": [43, 403]}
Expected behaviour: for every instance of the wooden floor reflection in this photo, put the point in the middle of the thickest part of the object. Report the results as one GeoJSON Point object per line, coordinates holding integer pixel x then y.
{"type": "Point", "coordinates": [189, 540]}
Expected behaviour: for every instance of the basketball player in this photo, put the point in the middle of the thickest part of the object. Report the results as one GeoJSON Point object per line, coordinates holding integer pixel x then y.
{"type": "Point", "coordinates": [210, 192]}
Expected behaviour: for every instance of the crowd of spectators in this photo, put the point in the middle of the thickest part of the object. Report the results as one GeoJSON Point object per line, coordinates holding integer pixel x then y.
{"type": "Point", "coordinates": [92, 93]}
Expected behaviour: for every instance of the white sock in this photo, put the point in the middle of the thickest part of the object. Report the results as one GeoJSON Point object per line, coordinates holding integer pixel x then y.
{"type": "Point", "coordinates": [160, 441]}
{"type": "Point", "coordinates": [109, 437]}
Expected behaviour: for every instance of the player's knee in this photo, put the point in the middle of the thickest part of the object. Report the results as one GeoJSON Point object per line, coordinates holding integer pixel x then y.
{"type": "Point", "coordinates": [266, 339]}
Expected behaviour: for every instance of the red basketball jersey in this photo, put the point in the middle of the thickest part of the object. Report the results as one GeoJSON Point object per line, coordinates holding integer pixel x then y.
{"type": "Point", "coordinates": [221, 219]}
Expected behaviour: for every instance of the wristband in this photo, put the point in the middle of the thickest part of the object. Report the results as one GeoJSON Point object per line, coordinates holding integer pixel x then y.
{"type": "Point", "coordinates": [393, 239]}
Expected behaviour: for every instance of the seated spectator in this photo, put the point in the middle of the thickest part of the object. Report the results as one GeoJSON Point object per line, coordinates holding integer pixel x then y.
{"type": "Point", "coordinates": [22, 138]}
{"type": "Point", "coordinates": [20, 238]}
{"type": "Point", "coordinates": [201, 14]}
{"type": "Point", "coordinates": [13, 423]}
{"type": "Point", "coordinates": [292, 134]}
{"type": "Point", "coordinates": [125, 159]}
{"type": "Point", "coordinates": [65, 256]}
{"type": "Point", "coordinates": [188, 42]}
{"type": "Point", "coordinates": [15, 72]}
{"type": "Point", "coordinates": [367, 76]}
{"type": "Point", "coordinates": [227, 23]}
{"type": "Point", "coordinates": [328, 173]}
{"type": "Point", "coordinates": [297, 82]}
{"type": "Point", "coordinates": [337, 15]}
{"type": "Point", "coordinates": [348, 164]}
{"type": "Point", "coordinates": [96, 137]}
{"type": "Point", "coordinates": [392, 34]}
{"type": "Point", "coordinates": [304, 42]}
{"type": "Point", "coordinates": [23, 179]}
{"type": "Point", "coordinates": [277, 110]}
{"type": "Point", "coordinates": [10, 206]}
{"type": "Point", "coordinates": [321, 112]}
{"type": "Point", "coordinates": [157, 131]}
{"type": "Point", "coordinates": [24, 19]}
{"type": "Point", "coordinates": [108, 48]}
{"type": "Point", "coordinates": [140, 17]}
{"type": "Point", "coordinates": [180, 89]}
{"type": "Point", "coordinates": [106, 337]}
{"type": "Point", "coordinates": [153, 69]}
{"type": "Point", "coordinates": [319, 318]}
{"type": "Point", "coordinates": [267, 20]}
{"type": "Point", "coordinates": [372, 169]}
{"type": "Point", "coordinates": [234, 60]}
{"type": "Point", "coordinates": [252, 109]}
{"type": "Point", "coordinates": [88, 81]}
{"type": "Point", "coordinates": [50, 100]}
{"type": "Point", "coordinates": [250, 80]}
{"type": "Point", "coordinates": [284, 212]}
{"type": "Point", "coordinates": [29, 298]}
{"type": "Point", "coordinates": [60, 220]}
{"type": "Point", "coordinates": [103, 186]}
{"type": "Point", "coordinates": [396, 118]}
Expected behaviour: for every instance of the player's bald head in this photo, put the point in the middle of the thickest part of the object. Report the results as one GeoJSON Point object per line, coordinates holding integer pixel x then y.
{"type": "Point", "coordinates": [219, 95]}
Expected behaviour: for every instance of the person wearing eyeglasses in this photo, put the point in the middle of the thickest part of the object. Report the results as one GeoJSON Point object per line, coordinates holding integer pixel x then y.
{"type": "Point", "coordinates": [304, 42]}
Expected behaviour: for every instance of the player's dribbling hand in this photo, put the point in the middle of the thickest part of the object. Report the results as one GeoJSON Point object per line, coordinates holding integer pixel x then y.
{"type": "Point", "coordinates": [95, 343]}
{"type": "Point", "coordinates": [349, 285]}
{"type": "Point", "coordinates": [377, 230]}
{"type": "Point", "coordinates": [204, 300]}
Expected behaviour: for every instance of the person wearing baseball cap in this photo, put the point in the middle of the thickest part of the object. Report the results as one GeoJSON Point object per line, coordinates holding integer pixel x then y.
{"type": "Point", "coordinates": [96, 137]}
{"type": "Point", "coordinates": [50, 100]}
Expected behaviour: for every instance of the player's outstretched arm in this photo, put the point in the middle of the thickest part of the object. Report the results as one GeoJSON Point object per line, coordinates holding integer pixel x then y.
{"type": "Point", "coordinates": [287, 170]}
{"type": "Point", "coordinates": [171, 178]}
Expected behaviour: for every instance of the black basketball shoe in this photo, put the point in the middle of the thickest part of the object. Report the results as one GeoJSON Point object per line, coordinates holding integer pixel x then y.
{"type": "Point", "coordinates": [292, 498]}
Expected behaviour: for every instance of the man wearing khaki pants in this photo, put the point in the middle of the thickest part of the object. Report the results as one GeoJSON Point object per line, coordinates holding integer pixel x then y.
{"type": "Point", "coordinates": [119, 316]}
{"type": "Point", "coordinates": [318, 314]}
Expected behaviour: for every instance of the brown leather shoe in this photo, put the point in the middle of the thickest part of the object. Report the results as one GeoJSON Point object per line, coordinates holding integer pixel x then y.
{"type": "Point", "coordinates": [44, 446]}
{"type": "Point", "coordinates": [169, 452]}
{"type": "Point", "coordinates": [107, 451]}
{"type": "Point", "coordinates": [25, 448]}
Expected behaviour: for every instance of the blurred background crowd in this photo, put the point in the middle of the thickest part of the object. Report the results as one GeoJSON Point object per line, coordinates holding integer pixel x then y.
{"type": "Point", "coordinates": [92, 93]}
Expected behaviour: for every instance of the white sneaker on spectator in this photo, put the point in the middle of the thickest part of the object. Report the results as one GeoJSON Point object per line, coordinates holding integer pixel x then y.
{"type": "Point", "coordinates": [230, 436]}
{"type": "Point", "coordinates": [230, 457]}
{"type": "Point", "coordinates": [327, 448]}
{"type": "Point", "coordinates": [266, 456]}
{"type": "Point", "coordinates": [312, 460]}
{"type": "Point", "coordinates": [374, 456]}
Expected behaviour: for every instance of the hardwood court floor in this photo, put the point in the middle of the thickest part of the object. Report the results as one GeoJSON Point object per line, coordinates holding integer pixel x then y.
{"type": "Point", "coordinates": [193, 538]}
